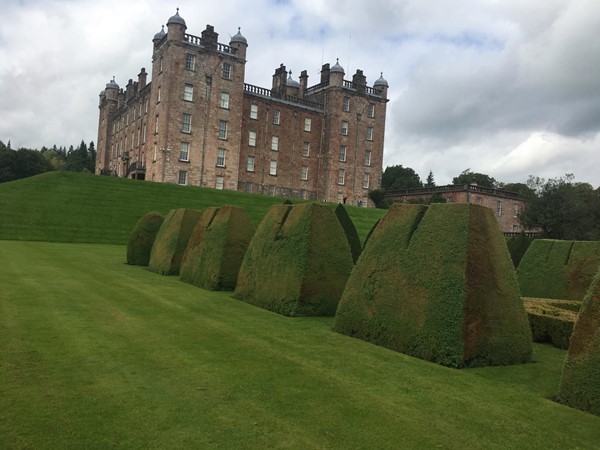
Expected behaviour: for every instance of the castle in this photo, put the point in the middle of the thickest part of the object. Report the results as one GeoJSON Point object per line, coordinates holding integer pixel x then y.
{"type": "Point", "coordinates": [198, 123]}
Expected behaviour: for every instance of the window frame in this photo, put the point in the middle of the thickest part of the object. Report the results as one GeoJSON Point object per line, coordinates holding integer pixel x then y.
{"type": "Point", "coordinates": [343, 153]}
{"type": "Point", "coordinates": [273, 168]}
{"type": "Point", "coordinates": [276, 117]}
{"type": "Point", "coordinates": [346, 104]}
{"type": "Point", "coordinates": [188, 94]}
{"type": "Point", "coordinates": [186, 126]}
{"type": "Point", "coordinates": [185, 152]}
{"type": "Point", "coordinates": [307, 124]}
{"type": "Point", "coordinates": [341, 177]}
{"type": "Point", "coordinates": [226, 71]}
{"type": "Point", "coordinates": [345, 128]}
{"type": "Point", "coordinates": [251, 162]}
{"type": "Point", "coordinates": [220, 182]}
{"type": "Point", "coordinates": [275, 143]}
{"type": "Point", "coordinates": [190, 62]}
{"type": "Point", "coordinates": [254, 111]}
{"type": "Point", "coordinates": [252, 138]}
{"type": "Point", "coordinates": [221, 153]}
{"type": "Point", "coordinates": [225, 100]}
{"type": "Point", "coordinates": [366, 180]}
{"type": "Point", "coordinates": [223, 130]}
{"type": "Point", "coordinates": [182, 174]}
{"type": "Point", "coordinates": [369, 133]}
{"type": "Point", "coordinates": [371, 110]}
{"type": "Point", "coordinates": [306, 149]}
{"type": "Point", "coordinates": [304, 173]}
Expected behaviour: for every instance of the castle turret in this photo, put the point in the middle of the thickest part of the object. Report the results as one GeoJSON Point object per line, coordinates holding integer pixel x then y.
{"type": "Point", "coordinates": [381, 86]}
{"type": "Point", "coordinates": [240, 43]}
{"type": "Point", "coordinates": [159, 36]}
{"type": "Point", "coordinates": [336, 74]}
{"type": "Point", "coordinates": [292, 86]}
{"type": "Point", "coordinates": [176, 27]}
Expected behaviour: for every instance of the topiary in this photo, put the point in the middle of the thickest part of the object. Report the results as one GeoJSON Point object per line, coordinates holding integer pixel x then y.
{"type": "Point", "coordinates": [141, 238]}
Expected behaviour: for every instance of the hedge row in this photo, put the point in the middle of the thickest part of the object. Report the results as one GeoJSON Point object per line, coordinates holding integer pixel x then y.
{"type": "Point", "coordinates": [141, 239]}
{"type": "Point", "coordinates": [558, 269]}
{"type": "Point", "coordinates": [438, 283]}
{"type": "Point", "coordinates": [551, 320]}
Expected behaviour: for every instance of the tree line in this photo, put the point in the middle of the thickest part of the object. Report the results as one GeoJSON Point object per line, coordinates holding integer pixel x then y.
{"type": "Point", "coordinates": [560, 208]}
{"type": "Point", "coordinates": [25, 162]}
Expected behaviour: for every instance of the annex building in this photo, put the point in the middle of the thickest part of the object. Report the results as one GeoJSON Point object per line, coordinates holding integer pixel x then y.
{"type": "Point", "coordinates": [198, 123]}
{"type": "Point", "coordinates": [506, 204]}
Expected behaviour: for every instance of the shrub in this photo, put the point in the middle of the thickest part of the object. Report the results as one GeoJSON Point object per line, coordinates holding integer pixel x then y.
{"type": "Point", "coordinates": [580, 384]}
{"type": "Point", "coordinates": [171, 241]}
{"type": "Point", "coordinates": [437, 282]}
{"type": "Point", "coordinates": [558, 269]}
{"type": "Point", "coordinates": [216, 248]}
{"type": "Point", "coordinates": [297, 262]}
{"type": "Point", "coordinates": [349, 231]}
{"type": "Point", "coordinates": [552, 320]}
{"type": "Point", "coordinates": [141, 238]}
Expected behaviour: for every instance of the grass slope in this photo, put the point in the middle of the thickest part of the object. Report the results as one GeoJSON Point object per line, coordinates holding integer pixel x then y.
{"type": "Point", "coordinates": [77, 207]}
{"type": "Point", "coordinates": [150, 362]}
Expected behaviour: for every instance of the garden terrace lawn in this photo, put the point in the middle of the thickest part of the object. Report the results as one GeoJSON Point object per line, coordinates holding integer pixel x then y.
{"type": "Point", "coordinates": [95, 353]}
{"type": "Point", "coordinates": [79, 207]}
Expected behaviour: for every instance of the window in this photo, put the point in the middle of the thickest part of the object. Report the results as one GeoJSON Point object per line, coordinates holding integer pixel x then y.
{"type": "Point", "coordinates": [345, 128]}
{"type": "Point", "coordinates": [221, 157]}
{"type": "Point", "coordinates": [341, 176]}
{"type": "Point", "coordinates": [188, 92]}
{"type": "Point", "coordinates": [182, 177]}
{"type": "Point", "coordinates": [307, 123]}
{"type": "Point", "coordinates": [158, 95]}
{"type": "Point", "coordinates": [366, 180]}
{"type": "Point", "coordinates": [346, 104]}
{"type": "Point", "coordinates": [155, 151]}
{"type": "Point", "coordinates": [250, 164]}
{"type": "Point", "coordinates": [367, 157]}
{"type": "Point", "coordinates": [276, 117]}
{"type": "Point", "coordinates": [304, 174]}
{"type": "Point", "coordinates": [252, 138]}
{"type": "Point", "coordinates": [498, 208]}
{"type": "Point", "coordinates": [184, 151]}
{"type": "Point", "coordinates": [479, 200]}
{"type": "Point", "coordinates": [146, 106]}
{"type": "Point", "coordinates": [224, 100]}
{"type": "Point", "coordinates": [254, 112]}
{"type": "Point", "coordinates": [144, 135]}
{"type": "Point", "coordinates": [343, 153]}
{"type": "Point", "coordinates": [222, 129]}
{"type": "Point", "coordinates": [275, 143]}
{"type": "Point", "coordinates": [219, 183]}
{"type": "Point", "coordinates": [273, 167]}
{"type": "Point", "coordinates": [156, 126]}
{"type": "Point", "coordinates": [227, 71]}
{"type": "Point", "coordinates": [190, 62]}
{"type": "Point", "coordinates": [369, 133]}
{"type": "Point", "coordinates": [160, 67]}
{"type": "Point", "coordinates": [186, 124]}
{"type": "Point", "coordinates": [306, 149]}
{"type": "Point", "coordinates": [515, 228]}
{"type": "Point", "coordinates": [371, 110]}
{"type": "Point", "coordinates": [515, 210]}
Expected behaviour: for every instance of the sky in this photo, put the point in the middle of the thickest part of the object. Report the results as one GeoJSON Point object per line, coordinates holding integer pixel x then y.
{"type": "Point", "coordinates": [506, 88]}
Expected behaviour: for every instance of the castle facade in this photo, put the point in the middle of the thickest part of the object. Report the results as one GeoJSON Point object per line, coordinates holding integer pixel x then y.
{"type": "Point", "coordinates": [198, 123]}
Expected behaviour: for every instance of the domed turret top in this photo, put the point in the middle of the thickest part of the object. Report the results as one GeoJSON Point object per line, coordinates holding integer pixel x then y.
{"type": "Point", "coordinates": [238, 38]}
{"type": "Point", "coordinates": [291, 82]}
{"type": "Point", "coordinates": [161, 34]}
{"type": "Point", "coordinates": [176, 19]}
{"type": "Point", "coordinates": [337, 67]}
{"type": "Point", "coordinates": [112, 84]}
{"type": "Point", "coordinates": [381, 81]}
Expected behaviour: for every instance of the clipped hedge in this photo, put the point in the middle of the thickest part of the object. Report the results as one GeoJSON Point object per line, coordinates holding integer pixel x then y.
{"type": "Point", "coordinates": [437, 282]}
{"type": "Point", "coordinates": [141, 238]}
{"type": "Point", "coordinates": [552, 320]}
{"type": "Point", "coordinates": [297, 263]}
{"type": "Point", "coordinates": [580, 384]}
{"type": "Point", "coordinates": [558, 269]}
{"type": "Point", "coordinates": [349, 231]}
{"type": "Point", "coordinates": [517, 246]}
{"type": "Point", "coordinates": [171, 241]}
{"type": "Point", "coordinates": [216, 248]}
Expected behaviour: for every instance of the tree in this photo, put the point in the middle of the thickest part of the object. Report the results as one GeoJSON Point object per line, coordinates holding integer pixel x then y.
{"type": "Point", "coordinates": [563, 209]}
{"type": "Point", "coordinates": [469, 177]}
{"type": "Point", "coordinates": [398, 177]}
{"type": "Point", "coordinates": [377, 197]}
{"type": "Point", "coordinates": [430, 182]}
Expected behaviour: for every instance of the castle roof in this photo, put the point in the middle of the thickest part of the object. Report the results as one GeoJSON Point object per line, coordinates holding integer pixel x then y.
{"type": "Point", "coordinates": [337, 67]}
{"type": "Point", "coordinates": [238, 38]}
{"type": "Point", "coordinates": [158, 36]}
{"type": "Point", "coordinates": [176, 19]}
{"type": "Point", "coordinates": [291, 82]}
{"type": "Point", "coordinates": [381, 81]}
{"type": "Point", "coordinates": [112, 84]}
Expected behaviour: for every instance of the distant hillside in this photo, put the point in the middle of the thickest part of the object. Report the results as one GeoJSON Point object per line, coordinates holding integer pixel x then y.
{"type": "Point", "coordinates": [78, 207]}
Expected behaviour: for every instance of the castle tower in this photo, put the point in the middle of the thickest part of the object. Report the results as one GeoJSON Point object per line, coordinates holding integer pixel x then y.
{"type": "Point", "coordinates": [107, 106]}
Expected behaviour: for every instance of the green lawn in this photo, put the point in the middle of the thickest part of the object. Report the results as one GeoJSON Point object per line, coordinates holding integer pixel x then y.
{"type": "Point", "coordinates": [98, 354]}
{"type": "Point", "coordinates": [78, 207]}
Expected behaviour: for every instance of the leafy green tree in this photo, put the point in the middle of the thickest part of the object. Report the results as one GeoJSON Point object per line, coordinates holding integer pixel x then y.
{"type": "Point", "coordinates": [563, 209]}
{"type": "Point", "coordinates": [399, 177]}
{"type": "Point", "coordinates": [469, 177]}
{"type": "Point", "coordinates": [430, 182]}
{"type": "Point", "coordinates": [520, 188]}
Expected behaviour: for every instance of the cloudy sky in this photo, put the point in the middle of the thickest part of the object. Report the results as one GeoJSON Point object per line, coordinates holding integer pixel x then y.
{"type": "Point", "coordinates": [508, 88]}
